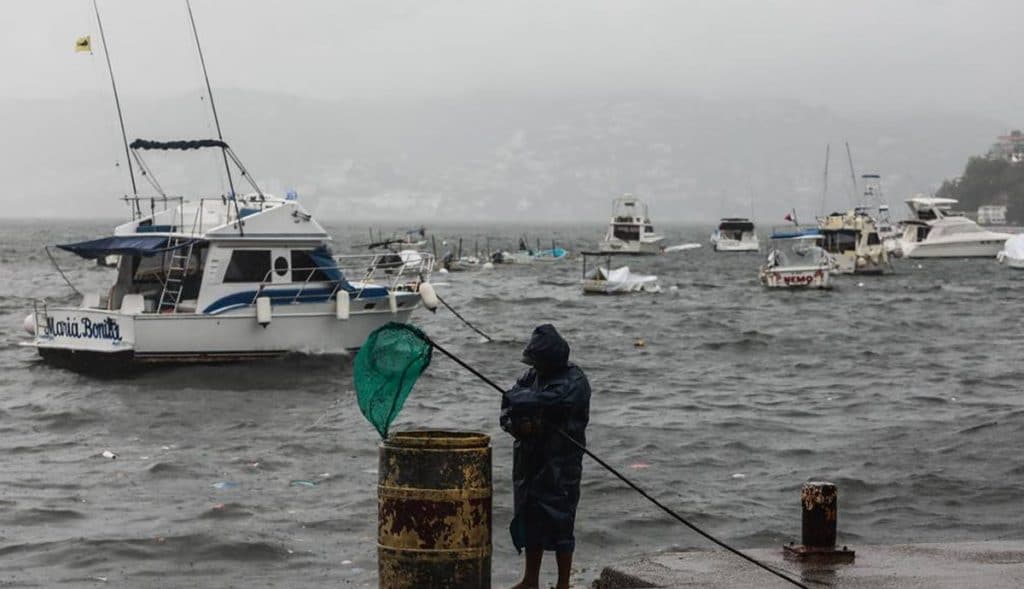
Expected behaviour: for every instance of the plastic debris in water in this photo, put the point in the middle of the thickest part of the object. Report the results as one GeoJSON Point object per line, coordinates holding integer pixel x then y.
{"type": "Point", "coordinates": [224, 485]}
{"type": "Point", "coordinates": [739, 475]}
{"type": "Point", "coordinates": [303, 483]}
{"type": "Point", "coordinates": [638, 465]}
{"type": "Point", "coordinates": [639, 343]}
{"type": "Point", "coordinates": [109, 454]}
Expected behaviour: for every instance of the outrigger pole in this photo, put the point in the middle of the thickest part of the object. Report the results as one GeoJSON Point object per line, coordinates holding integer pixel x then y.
{"type": "Point", "coordinates": [117, 102]}
{"type": "Point", "coordinates": [853, 175]}
{"type": "Point", "coordinates": [216, 119]}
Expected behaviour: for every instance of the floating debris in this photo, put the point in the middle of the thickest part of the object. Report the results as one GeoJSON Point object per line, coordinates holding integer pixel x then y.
{"type": "Point", "coordinates": [109, 454]}
{"type": "Point", "coordinates": [303, 483]}
{"type": "Point", "coordinates": [224, 485]}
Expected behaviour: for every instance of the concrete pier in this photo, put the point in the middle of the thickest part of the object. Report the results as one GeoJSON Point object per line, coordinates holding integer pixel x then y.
{"type": "Point", "coordinates": [993, 565]}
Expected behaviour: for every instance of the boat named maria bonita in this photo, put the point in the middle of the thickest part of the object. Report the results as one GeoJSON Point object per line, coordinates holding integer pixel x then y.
{"type": "Point", "coordinates": [224, 278]}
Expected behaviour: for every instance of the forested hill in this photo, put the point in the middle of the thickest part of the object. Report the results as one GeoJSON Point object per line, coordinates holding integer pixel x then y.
{"type": "Point", "coordinates": [989, 181]}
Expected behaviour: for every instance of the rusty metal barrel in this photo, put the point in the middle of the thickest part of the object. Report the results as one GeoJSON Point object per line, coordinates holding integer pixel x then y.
{"type": "Point", "coordinates": [434, 510]}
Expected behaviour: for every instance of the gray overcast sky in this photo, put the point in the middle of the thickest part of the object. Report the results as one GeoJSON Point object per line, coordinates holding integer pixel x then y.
{"type": "Point", "coordinates": [962, 56]}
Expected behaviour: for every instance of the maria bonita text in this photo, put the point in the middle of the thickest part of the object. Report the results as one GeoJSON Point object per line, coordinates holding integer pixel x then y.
{"type": "Point", "coordinates": [84, 328]}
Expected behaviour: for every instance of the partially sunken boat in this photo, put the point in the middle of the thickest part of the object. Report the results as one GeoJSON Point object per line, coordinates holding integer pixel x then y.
{"type": "Point", "coordinates": [603, 279]}
{"type": "Point", "coordinates": [223, 278]}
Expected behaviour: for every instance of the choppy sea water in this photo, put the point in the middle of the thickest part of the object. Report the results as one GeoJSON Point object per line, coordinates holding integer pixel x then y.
{"type": "Point", "coordinates": [903, 389]}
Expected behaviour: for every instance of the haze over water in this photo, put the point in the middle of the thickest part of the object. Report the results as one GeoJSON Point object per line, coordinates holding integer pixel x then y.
{"type": "Point", "coordinates": [903, 390]}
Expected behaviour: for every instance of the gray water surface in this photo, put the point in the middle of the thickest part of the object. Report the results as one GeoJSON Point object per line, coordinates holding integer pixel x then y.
{"type": "Point", "coordinates": [903, 389]}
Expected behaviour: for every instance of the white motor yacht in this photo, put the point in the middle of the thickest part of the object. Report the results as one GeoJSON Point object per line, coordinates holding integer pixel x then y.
{"type": "Point", "coordinates": [222, 278]}
{"type": "Point", "coordinates": [735, 235]}
{"type": "Point", "coordinates": [630, 230]}
{"type": "Point", "coordinates": [936, 231]}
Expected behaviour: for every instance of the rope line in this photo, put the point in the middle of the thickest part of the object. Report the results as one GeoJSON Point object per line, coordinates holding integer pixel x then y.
{"type": "Point", "coordinates": [463, 319]}
{"type": "Point", "coordinates": [625, 479]}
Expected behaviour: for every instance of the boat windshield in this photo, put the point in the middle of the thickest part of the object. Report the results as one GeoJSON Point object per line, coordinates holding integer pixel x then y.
{"type": "Point", "coordinates": [626, 232]}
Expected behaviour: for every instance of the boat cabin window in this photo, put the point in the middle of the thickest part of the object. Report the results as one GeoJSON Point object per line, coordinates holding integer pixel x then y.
{"type": "Point", "coordinates": [627, 232]}
{"type": "Point", "coordinates": [873, 239]}
{"type": "Point", "coordinates": [304, 269]}
{"type": "Point", "coordinates": [280, 266]}
{"type": "Point", "coordinates": [648, 228]}
{"type": "Point", "coordinates": [922, 232]}
{"type": "Point", "coordinates": [248, 266]}
{"type": "Point", "coordinates": [838, 242]}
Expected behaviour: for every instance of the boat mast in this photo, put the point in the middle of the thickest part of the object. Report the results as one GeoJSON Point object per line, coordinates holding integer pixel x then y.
{"type": "Point", "coordinates": [824, 189]}
{"type": "Point", "coordinates": [216, 119]}
{"type": "Point", "coordinates": [137, 212]}
{"type": "Point", "coordinates": [853, 175]}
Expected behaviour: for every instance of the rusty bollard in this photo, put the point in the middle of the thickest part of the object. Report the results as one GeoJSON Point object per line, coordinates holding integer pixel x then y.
{"type": "Point", "coordinates": [819, 506]}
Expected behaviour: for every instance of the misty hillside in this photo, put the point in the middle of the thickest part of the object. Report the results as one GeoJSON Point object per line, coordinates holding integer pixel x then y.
{"type": "Point", "coordinates": [507, 158]}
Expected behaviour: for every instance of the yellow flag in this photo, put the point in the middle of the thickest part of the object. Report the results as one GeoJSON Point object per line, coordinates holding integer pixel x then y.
{"type": "Point", "coordinates": [83, 44]}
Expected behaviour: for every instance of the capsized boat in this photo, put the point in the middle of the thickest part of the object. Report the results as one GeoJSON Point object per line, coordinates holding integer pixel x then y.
{"type": "Point", "coordinates": [223, 278]}
{"type": "Point", "coordinates": [1013, 252]}
{"type": "Point", "coordinates": [630, 230]}
{"type": "Point", "coordinates": [936, 231]}
{"type": "Point", "coordinates": [603, 279]}
{"type": "Point", "coordinates": [796, 260]}
{"type": "Point", "coordinates": [735, 234]}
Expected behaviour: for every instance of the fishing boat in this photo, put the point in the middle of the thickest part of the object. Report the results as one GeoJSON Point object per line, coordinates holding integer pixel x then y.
{"type": "Point", "coordinates": [853, 240]}
{"type": "Point", "coordinates": [735, 235]}
{"type": "Point", "coordinates": [797, 261]}
{"type": "Point", "coordinates": [936, 231]}
{"type": "Point", "coordinates": [550, 255]}
{"type": "Point", "coordinates": [630, 230]}
{"type": "Point", "coordinates": [222, 278]}
{"type": "Point", "coordinates": [603, 279]}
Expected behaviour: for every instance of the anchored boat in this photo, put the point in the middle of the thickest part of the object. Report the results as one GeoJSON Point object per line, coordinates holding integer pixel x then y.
{"type": "Point", "coordinates": [853, 240]}
{"type": "Point", "coordinates": [630, 230]}
{"type": "Point", "coordinates": [735, 235]}
{"type": "Point", "coordinates": [936, 231]}
{"type": "Point", "coordinates": [224, 278]}
{"type": "Point", "coordinates": [796, 260]}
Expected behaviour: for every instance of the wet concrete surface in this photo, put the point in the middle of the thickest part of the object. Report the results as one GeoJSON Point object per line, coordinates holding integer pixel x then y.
{"type": "Point", "coordinates": [993, 565]}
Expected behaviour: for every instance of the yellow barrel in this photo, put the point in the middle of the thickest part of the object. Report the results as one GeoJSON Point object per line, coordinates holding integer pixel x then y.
{"type": "Point", "coordinates": [434, 511]}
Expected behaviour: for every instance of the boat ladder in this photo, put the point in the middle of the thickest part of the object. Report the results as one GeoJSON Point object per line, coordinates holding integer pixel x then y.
{"type": "Point", "coordinates": [176, 270]}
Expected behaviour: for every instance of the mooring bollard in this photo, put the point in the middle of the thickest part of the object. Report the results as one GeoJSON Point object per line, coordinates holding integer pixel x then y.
{"type": "Point", "coordinates": [434, 511]}
{"type": "Point", "coordinates": [819, 502]}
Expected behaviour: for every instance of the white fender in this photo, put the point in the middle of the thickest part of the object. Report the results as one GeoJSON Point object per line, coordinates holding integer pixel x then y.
{"type": "Point", "coordinates": [393, 301]}
{"type": "Point", "coordinates": [342, 305]}
{"type": "Point", "coordinates": [263, 313]}
{"type": "Point", "coordinates": [30, 323]}
{"type": "Point", "coordinates": [428, 296]}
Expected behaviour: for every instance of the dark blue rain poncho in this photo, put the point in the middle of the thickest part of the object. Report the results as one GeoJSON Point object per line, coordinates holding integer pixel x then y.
{"type": "Point", "coordinates": [554, 394]}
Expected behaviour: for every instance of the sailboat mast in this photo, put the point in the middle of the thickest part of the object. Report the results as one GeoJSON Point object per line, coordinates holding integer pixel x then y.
{"type": "Point", "coordinates": [853, 175]}
{"type": "Point", "coordinates": [213, 107]}
{"type": "Point", "coordinates": [120, 117]}
{"type": "Point", "coordinates": [824, 188]}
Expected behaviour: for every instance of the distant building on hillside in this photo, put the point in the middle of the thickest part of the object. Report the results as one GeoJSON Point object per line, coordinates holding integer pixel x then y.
{"type": "Point", "coordinates": [1008, 147]}
{"type": "Point", "coordinates": [992, 215]}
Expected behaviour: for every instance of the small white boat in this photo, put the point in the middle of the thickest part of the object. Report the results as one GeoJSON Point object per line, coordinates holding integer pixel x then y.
{"type": "Point", "coordinates": [796, 260]}
{"type": "Point", "coordinates": [735, 235]}
{"type": "Point", "coordinates": [630, 230]}
{"type": "Point", "coordinates": [603, 279]}
{"type": "Point", "coordinates": [936, 231]}
{"type": "Point", "coordinates": [1013, 252]}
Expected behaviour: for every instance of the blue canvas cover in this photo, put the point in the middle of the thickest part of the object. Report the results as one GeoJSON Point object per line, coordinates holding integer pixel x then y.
{"type": "Point", "coordinates": [126, 245]}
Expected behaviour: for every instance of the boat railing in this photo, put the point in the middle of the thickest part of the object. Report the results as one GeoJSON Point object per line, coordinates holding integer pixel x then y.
{"type": "Point", "coordinates": [135, 203]}
{"type": "Point", "coordinates": [360, 271]}
{"type": "Point", "coordinates": [39, 318]}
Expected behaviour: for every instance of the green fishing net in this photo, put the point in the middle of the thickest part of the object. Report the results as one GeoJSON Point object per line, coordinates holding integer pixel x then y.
{"type": "Point", "coordinates": [385, 370]}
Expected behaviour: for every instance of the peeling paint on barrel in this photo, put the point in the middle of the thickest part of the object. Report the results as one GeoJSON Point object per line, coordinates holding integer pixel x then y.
{"type": "Point", "coordinates": [434, 510]}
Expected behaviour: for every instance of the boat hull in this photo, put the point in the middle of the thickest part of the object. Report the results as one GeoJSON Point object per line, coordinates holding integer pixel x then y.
{"type": "Point", "coordinates": [631, 247]}
{"type": "Point", "coordinates": [796, 278]}
{"type": "Point", "coordinates": [731, 245]}
{"type": "Point", "coordinates": [75, 335]}
{"type": "Point", "coordinates": [953, 249]}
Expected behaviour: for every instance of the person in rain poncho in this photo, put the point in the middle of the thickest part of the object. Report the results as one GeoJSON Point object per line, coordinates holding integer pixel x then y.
{"type": "Point", "coordinates": [552, 395]}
